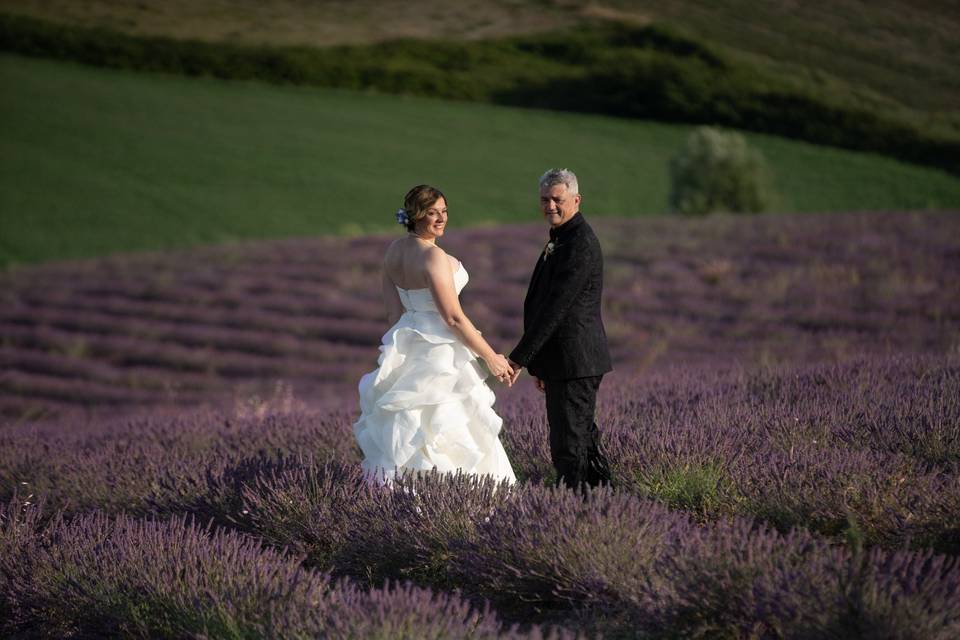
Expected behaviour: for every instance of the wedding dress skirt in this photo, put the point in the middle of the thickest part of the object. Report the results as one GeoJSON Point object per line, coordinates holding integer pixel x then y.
{"type": "Point", "coordinates": [427, 405]}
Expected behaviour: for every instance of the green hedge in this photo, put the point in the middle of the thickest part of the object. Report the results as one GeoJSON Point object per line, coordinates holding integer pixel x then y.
{"type": "Point", "coordinates": [641, 72]}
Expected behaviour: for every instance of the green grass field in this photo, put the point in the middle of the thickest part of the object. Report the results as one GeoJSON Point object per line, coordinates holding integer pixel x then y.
{"type": "Point", "coordinates": [904, 50]}
{"type": "Point", "coordinates": [97, 161]}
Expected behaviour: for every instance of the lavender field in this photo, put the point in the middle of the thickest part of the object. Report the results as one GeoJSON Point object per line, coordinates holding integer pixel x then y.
{"type": "Point", "coordinates": [783, 422]}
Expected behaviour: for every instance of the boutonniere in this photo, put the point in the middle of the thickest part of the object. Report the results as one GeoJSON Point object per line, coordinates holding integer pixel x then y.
{"type": "Point", "coordinates": [547, 250]}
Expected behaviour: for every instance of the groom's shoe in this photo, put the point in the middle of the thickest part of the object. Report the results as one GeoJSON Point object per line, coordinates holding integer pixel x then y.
{"type": "Point", "coordinates": [598, 467]}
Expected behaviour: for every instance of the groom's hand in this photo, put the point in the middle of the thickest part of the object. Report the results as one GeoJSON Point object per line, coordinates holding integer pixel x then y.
{"type": "Point", "coordinates": [540, 386]}
{"type": "Point", "coordinates": [516, 371]}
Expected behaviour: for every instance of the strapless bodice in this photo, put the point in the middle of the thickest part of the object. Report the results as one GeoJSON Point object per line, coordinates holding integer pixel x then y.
{"type": "Point", "coordinates": [422, 300]}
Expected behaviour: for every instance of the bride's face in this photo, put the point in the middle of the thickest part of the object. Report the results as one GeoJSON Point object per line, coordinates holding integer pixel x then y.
{"type": "Point", "coordinates": [435, 220]}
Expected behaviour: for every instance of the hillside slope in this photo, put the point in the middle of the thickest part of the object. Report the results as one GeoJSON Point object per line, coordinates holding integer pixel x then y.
{"type": "Point", "coordinates": [96, 161]}
{"type": "Point", "coordinates": [897, 48]}
{"type": "Point", "coordinates": [609, 61]}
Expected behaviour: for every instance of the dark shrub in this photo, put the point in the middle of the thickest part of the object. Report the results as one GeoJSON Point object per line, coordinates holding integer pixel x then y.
{"type": "Point", "coordinates": [719, 171]}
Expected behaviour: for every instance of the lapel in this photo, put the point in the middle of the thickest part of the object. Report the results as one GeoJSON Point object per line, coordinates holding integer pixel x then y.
{"type": "Point", "coordinates": [537, 272]}
{"type": "Point", "coordinates": [560, 235]}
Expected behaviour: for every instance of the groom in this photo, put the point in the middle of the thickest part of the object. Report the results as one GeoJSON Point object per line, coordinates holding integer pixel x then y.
{"type": "Point", "coordinates": [564, 345]}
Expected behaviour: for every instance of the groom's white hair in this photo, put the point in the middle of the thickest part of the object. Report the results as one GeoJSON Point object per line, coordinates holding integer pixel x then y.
{"type": "Point", "coordinates": [560, 176]}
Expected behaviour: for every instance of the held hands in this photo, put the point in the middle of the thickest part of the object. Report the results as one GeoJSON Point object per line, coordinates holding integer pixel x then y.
{"type": "Point", "coordinates": [500, 368]}
{"type": "Point", "coordinates": [517, 368]}
{"type": "Point", "coordinates": [507, 371]}
{"type": "Point", "coordinates": [516, 374]}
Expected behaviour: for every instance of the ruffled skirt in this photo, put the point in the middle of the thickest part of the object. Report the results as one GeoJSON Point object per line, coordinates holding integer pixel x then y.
{"type": "Point", "coordinates": [427, 405]}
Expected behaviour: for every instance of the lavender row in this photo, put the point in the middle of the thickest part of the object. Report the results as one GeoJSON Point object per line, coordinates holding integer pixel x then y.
{"type": "Point", "coordinates": [97, 575]}
{"type": "Point", "coordinates": [179, 302]}
{"type": "Point", "coordinates": [757, 291]}
{"type": "Point", "coordinates": [63, 365]}
{"type": "Point", "coordinates": [610, 563]}
{"type": "Point", "coordinates": [866, 452]}
{"type": "Point", "coordinates": [122, 351]}
{"type": "Point", "coordinates": [119, 467]}
{"type": "Point", "coordinates": [274, 311]}
{"type": "Point", "coordinates": [175, 369]}
{"type": "Point", "coordinates": [218, 338]}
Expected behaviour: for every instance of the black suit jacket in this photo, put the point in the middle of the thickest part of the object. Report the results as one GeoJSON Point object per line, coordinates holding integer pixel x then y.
{"type": "Point", "coordinates": [563, 335]}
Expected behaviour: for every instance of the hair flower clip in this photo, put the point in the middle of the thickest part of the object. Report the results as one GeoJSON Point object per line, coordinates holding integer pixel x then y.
{"type": "Point", "coordinates": [402, 217]}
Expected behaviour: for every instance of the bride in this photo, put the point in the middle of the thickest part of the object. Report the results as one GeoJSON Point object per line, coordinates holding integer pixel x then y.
{"type": "Point", "coordinates": [427, 404]}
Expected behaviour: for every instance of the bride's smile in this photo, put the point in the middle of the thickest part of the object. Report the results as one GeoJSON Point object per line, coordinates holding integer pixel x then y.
{"type": "Point", "coordinates": [432, 223]}
{"type": "Point", "coordinates": [436, 218]}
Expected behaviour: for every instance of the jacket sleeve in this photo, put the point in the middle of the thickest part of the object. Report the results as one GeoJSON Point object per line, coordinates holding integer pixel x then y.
{"type": "Point", "coordinates": [566, 284]}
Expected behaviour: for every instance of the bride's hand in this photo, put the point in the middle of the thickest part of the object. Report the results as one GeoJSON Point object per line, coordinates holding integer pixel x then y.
{"type": "Point", "coordinates": [500, 368]}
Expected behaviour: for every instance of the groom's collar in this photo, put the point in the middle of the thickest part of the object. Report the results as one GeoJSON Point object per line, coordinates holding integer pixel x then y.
{"type": "Point", "coordinates": [565, 229]}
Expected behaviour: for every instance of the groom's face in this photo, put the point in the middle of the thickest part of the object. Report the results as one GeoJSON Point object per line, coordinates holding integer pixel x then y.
{"type": "Point", "coordinates": [557, 204]}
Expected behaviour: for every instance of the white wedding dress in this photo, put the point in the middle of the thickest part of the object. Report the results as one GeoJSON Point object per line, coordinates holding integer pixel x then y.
{"type": "Point", "coordinates": [427, 404]}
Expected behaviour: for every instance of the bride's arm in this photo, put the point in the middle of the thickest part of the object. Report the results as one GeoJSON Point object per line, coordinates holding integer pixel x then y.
{"type": "Point", "coordinates": [440, 277]}
{"type": "Point", "coordinates": [391, 299]}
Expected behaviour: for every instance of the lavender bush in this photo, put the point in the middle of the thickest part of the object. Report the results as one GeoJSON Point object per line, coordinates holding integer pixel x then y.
{"type": "Point", "coordinates": [102, 575]}
{"type": "Point", "coordinates": [783, 424]}
{"type": "Point", "coordinates": [796, 447]}
{"type": "Point", "coordinates": [612, 563]}
{"type": "Point", "coordinates": [737, 581]}
{"type": "Point", "coordinates": [121, 466]}
{"type": "Point", "coordinates": [412, 530]}
{"type": "Point", "coordinates": [793, 447]}
{"type": "Point", "coordinates": [308, 507]}
{"type": "Point", "coordinates": [635, 566]}
{"type": "Point", "coordinates": [208, 326]}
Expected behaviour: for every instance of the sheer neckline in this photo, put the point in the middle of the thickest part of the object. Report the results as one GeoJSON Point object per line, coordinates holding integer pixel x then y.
{"type": "Point", "coordinates": [459, 267]}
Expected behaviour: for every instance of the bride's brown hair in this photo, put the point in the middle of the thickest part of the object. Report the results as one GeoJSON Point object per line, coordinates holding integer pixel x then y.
{"type": "Point", "coordinates": [417, 201]}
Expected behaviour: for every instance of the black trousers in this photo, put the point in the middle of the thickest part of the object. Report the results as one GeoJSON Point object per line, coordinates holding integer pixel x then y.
{"type": "Point", "coordinates": [574, 436]}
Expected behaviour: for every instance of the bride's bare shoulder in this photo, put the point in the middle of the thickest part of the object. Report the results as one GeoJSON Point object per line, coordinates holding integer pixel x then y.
{"type": "Point", "coordinates": [434, 254]}
{"type": "Point", "coordinates": [437, 258]}
{"type": "Point", "coordinates": [395, 246]}
{"type": "Point", "coordinates": [396, 251]}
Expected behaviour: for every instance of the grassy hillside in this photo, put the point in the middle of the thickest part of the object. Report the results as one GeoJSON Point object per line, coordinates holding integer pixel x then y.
{"type": "Point", "coordinates": [603, 66]}
{"type": "Point", "coordinates": [97, 161]}
{"type": "Point", "coordinates": [903, 50]}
